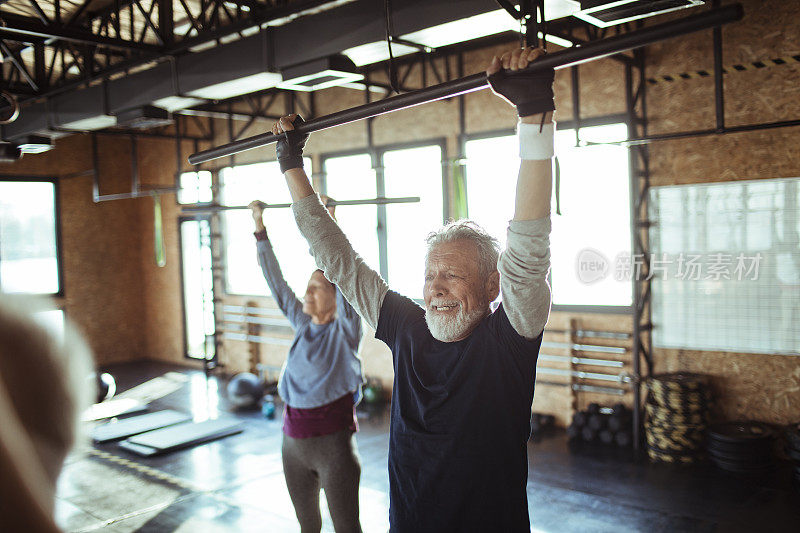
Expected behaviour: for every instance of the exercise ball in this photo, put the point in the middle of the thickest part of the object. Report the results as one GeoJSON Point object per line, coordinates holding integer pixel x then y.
{"type": "Point", "coordinates": [245, 390]}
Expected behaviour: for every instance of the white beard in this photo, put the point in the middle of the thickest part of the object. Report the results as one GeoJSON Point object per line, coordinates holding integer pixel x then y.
{"type": "Point", "coordinates": [451, 328]}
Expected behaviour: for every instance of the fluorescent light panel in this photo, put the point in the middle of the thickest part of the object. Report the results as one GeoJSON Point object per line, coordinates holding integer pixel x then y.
{"type": "Point", "coordinates": [93, 123]}
{"type": "Point", "coordinates": [320, 80]}
{"type": "Point", "coordinates": [458, 31]}
{"type": "Point", "coordinates": [613, 13]}
{"type": "Point", "coordinates": [173, 103]}
{"type": "Point", "coordinates": [246, 85]}
{"type": "Point", "coordinates": [35, 144]}
{"type": "Point", "coordinates": [369, 53]}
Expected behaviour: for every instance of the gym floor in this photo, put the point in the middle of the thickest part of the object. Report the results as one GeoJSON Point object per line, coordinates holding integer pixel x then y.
{"type": "Point", "coordinates": [236, 484]}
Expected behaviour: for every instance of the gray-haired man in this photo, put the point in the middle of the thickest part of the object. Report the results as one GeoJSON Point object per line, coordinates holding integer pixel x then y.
{"type": "Point", "coordinates": [464, 375]}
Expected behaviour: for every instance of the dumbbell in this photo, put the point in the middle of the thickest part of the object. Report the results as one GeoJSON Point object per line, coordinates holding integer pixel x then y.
{"type": "Point", "coordinates": [573, 431]}
{"type": "Point", "coordinates": [597, 421]}
{"type": "Point", "coordinates": [580, 418]}
{"type": "Point", "coordinates": [623, 438]}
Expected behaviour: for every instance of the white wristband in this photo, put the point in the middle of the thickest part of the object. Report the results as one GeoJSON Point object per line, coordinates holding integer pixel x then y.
{"type": "Point", "coordinates": [534, 144]}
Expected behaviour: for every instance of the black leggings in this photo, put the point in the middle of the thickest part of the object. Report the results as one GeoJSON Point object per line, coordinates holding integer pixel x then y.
{"type": "Point", "coordinates": [330, 462]}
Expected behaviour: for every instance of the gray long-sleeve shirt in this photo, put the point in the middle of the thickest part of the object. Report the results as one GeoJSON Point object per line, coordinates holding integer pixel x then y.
{"type": "Point", "coordinates": [523, 267]}
{"type": "Point", "coordinates": [323, 363]}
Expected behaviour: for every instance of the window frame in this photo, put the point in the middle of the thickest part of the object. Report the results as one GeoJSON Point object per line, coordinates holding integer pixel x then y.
{"type": "Point", "coordinates": [376, 153]}
{"type": "Point", "coordinates": [57, 219]}
{"type": "Point", "coordinates": [604, 120]}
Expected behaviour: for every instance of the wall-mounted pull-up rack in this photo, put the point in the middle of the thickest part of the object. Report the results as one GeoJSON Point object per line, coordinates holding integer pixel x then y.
{"type": "Point", "coordinates": [561, 59]}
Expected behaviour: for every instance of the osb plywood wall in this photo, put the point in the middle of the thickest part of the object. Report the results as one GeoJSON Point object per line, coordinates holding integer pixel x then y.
{"type": "Point", "coordinates": [764, 387]}
{"type": "Point", "coordinates": [769, 30]}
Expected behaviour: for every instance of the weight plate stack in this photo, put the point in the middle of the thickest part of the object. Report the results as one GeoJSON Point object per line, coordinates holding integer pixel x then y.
{"type": "Point", "coordinates": [742, 447]}
{"type": "Point", "coordinates": [658, 455]}
{"type": "Point", "coordinates": [676, 417]}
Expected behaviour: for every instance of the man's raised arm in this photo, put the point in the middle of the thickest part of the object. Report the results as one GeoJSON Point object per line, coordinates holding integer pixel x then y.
{"type": "Point", "coordinates": [362, 286]}
{"type": "Point", "coordinates": [526, 261]}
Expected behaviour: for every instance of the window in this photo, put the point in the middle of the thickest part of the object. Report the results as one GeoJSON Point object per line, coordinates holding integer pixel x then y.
{"type": "Point", "coordinates": [402, 172]}
{"type": "Point", "coordinates": [352, 178]}
{"type": "Point", "coordinates": [727, 259]}
{"type": "Point", "coordinates": [29, 259]}
{"type": "Point", "coordinates": [198, 290]}
{"type": "Point", "coordinates": [195, 187]}
{"type": "Point", "coordinates": [595, 217]}
{"type": "Point", "coordinates": [412, 172]}
{"type": "Point", "coordinates": [240, 186]}
{"type": "Point", "coordinates": [595, 207]}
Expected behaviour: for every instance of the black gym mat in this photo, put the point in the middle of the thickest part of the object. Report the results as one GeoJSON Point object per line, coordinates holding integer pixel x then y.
{"type": "Point", "coordinates": [121, 429]}
{"type": "Point", "coordinates": [181, 436]}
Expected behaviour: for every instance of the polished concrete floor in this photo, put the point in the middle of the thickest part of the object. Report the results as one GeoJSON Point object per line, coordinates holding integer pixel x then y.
{"type": "Point", "coordinates": [236, 484]}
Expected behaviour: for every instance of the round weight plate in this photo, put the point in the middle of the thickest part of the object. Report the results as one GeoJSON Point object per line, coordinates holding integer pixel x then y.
{"type": "Point", "coordinates": [691, 402]}
{"type": "Point", "coordinates": [597, 421]}
{"type": "Point", "coordinates": [606, 437]}
{"type": "Point", "coordinates": [669, 416]}
{"type": "Point", "coordinates": [672, 445]}
{"type": "Point", "coordinates": [741, 448]}
{"type": "Point", "coordinates": [747, 456]}
{"type": "Point", "coordinates": [740, 432]}
{"type": "Point", "coordinates": [662, 456]}
{"type": "Point", "coordinates": [692, 434]}
{"type": "Point", "coordinates": [617, 423]}
{"type": "Point", "coordinates": [573, 431]}
{"type": "Point", "coordinates": [741, 467]}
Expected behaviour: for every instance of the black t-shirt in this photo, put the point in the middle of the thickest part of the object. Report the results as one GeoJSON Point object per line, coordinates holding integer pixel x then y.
{"type": "Point", "coordinates": [460, 422]}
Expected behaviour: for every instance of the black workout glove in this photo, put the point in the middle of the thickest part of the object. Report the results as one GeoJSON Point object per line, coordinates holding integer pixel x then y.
{"type": "Point", "coordinates": [531, 93]}
{"type": "Point", "coordinates": [290, 147]}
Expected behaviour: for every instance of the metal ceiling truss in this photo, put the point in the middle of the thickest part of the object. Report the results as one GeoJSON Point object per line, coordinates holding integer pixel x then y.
{"type": "Point", "coordinates": [53, 45]}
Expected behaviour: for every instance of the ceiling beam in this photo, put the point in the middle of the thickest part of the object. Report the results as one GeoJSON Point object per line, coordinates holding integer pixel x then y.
{"type": "Point", "coordinates": [16, 27]}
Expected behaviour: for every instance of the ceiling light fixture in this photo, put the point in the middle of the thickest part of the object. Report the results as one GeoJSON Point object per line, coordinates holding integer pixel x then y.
{"type": "Point", "coordinates": [144, 117]}
{"type": "Point", "coordinates": [320, 74]}
{"type": "Point", "coordinates": [35, 144]}
{"type": "Point", "coordinates": [603, 13]}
